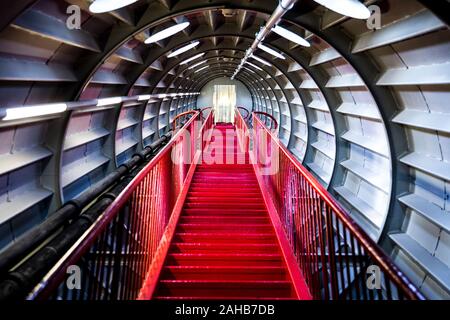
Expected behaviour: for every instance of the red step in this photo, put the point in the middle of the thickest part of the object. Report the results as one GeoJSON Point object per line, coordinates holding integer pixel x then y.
{"type": "Point", "coordinates": [224, 246]}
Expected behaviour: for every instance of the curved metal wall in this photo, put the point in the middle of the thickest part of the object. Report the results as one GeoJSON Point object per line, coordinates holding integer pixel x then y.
{"type": "Point", "coordinates": [364, 110]}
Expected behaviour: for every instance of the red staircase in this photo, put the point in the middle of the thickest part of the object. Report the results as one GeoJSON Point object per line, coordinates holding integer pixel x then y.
{"type": "Point", "coordinates": [225, 246]}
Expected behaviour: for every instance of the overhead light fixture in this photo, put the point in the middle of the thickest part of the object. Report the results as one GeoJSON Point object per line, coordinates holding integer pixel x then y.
{"type": "Point", "coordinates": [201, 69]}
{"type": "Point", "coordinates": [271, 51]}
{"type": "Point", "coordinates": [183, 49]}
{"type": "Point", "coordinates": [254, 66]}
{"type": "Point", "coordinates": [34, 111]}
{"type": "Point", "coordinates": [192, 58]}
{"type": "Point", "coordinates": [349, 8]}
{"type": "Point", "coordinates": [108, 101]}
{"type": "Point", "coordinates": [102, 6]}
{"type": "Point", "coordinates": [167, 32]}
{"type": "Point", "coordinates": [161, 95]}
{"type": "Point", "coordinates": [197, 64]}
{"type": "Point", "coordinates": [248, 69]}
{"type": "Point", "coordinates": [291, 36]}
{"type": "Point", "coordinates": [144, 97]}
{"type": "Point", "coordinates": [261, 60]}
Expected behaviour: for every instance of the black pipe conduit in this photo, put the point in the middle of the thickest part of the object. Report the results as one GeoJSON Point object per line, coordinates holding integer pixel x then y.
{"type": "Point", "coordinates": [12, 254]}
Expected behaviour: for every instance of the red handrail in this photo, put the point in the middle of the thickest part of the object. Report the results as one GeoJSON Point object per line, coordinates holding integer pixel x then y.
{"type": "Point", "coordinates": [122, 243]}
{"type": "Point", "coordinates": [204, 109]}
{"type": "Point", "coordinates": [315, 223]}
{"type": "Point", "coordinates": [174, 123]}
{"type": "Point", "coordinates": [247, 113]}
{"type": "Point", "coordinates": [268, 115]}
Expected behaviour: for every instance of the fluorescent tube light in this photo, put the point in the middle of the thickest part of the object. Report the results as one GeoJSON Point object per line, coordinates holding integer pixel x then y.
{"type": "Point", "coordinates": [192, 58]}
{"type": "Point", "coordinates": [201, 69]}
{"type": "Point", "coordinates": [197, 64]}
{"type": "Point", "coordinates": [167, 32]}
{"type": "Point", "coordinates": [291, 36]}
{"type": "Point", "coordinates": [261, 60]}
{"type": "Point", "coordinates": [34, 111]}
{"type": "Point", "coordinates": [184, 49]}
{"type": "Point", "coordinates": [108, 101]}
{"type": "Point", "coordinates": [102, 6]}
{"type": "Point", "coordinates": [349, 8]}
{"type": "Point", "coordinates": [271, 51]}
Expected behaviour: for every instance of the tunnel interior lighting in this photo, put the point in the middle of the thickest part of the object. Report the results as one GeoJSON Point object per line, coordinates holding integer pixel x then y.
{"type": "Point", "coordinates": [167, 32]}
{"type": "Point", "coordinates": [192, 58]}
{"type": "Point", "coordinates": [108, 101]}
{"type": "Point", "coordinates": [261, 60]}
{"type": "Point", "coordinates": [201, 69]}
{"type": "Point", "coordinates": [102, 6]}
{"type": "Point", "coordinates": [197, 64]}
{"type": "Point", "coordinates": [349, 8]}
{"type": "Point", "coordinates": [248, 69]}
{"type": "Point", "coordinates": [271, 51]}
{"type": "Point", "coordinates": [144, 97]}
{"type": "Point", "coordinates": [184, 49]}
{"type": "Point", "coordinates": [291, 36]}
{"type": "Point", "coordinates": [254, 66]}
{"type": "Point", "coordinates": [34, 111]}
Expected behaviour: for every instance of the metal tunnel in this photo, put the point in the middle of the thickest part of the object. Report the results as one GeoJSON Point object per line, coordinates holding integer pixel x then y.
{"type": "Point", "coordinates": [363, 106]}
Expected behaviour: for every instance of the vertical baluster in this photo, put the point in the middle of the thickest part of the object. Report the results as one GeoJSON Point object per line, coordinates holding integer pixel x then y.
{"type": "Point", "coordinates": [347, 262]}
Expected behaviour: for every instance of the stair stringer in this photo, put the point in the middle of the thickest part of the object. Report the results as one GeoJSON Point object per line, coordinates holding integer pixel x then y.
{"type": "Point", "coordinates": [298, 281]}
{"type": "Point", "coordinates": [152, 277]}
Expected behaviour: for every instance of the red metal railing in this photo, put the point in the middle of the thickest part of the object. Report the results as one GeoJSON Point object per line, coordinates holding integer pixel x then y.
{"type": "Point", "coordinates": [337, 258]}
{"type": "Point", "coordinates": [115, 254]}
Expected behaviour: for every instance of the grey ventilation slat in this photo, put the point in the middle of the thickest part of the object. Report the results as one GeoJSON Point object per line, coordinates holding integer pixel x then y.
{"type": "Point", "coordinates": [324, 126]}
{"type": "Point", "coordinates": [125, 144]}
{"type": "Point", "coordinates": [108, 77]}
{"type": "Point", "coordinates": [24, 70]}
{"type": "Point", "coordinates": [294, 66]}
{"type": "Point", "coordinates": [421, 75]}
{"type": "Point", "coordinates": [86, 166]}
{"type": "Point", "coordinates": [318, 105]}
{"type": "Point", "coordinates": [324, 148]}
{"type": "Point", "coordinates": [324, 56]}
{"type": "Point", "coordinates": [126, 123]}
{"type": "Point", "coordinates": [147, 132]}
{"type": "Point", "coordinates": [301, 118]}
{"type": "Point", "coordinates": [43, 25]}
{"type": "Point", "coordinates": [82, 138]}
{"type": "Point", "coordinates": [435, 167]}
{"type": "Point", "coordinates": [359, 110]}
{"type": "Point", "coordinates": [27, 199]}
{"type": "Point", "coordinates": [308, 84]}
{"type": "Point", "coordinates": [129, 55]}
{"type": "Point", "coordinates": [297, 101]}
{"type": "Point", "coordinates": [428, 210]}
{"type": "Point", "coordinates": [425, 120]}
{"type": "Point", "coordinates": [375, 179]}
{"type": "Point", "coordinates": [413, 26]}
{"type": "Point", "coordinates": [17, 160]}
{"type": "Point", "coordinates": [299, 136]}
{"type": "Point", "coordinates": [365, 209]}
{"type": "Point", "coordinates": [369, 143]}
{"type": "Point", "coordinates": [142, 82]}
{"type": "Point", "coordinates": [124, 15]}
{"type": "Point", "coordinates": [289, 86]}
{"type": "Point", "coordinates": [343, 81]}
{"type": "Point", "coordinates": [319, 172]}
{"type": "Point", "coordinates": [156, 65]}
{"type": "Point", "coordinates": [434, 267]}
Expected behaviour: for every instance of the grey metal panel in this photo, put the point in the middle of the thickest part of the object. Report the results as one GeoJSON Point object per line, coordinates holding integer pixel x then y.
{"type": "Point", "coordinates": [410, 27]}
{"type": "Point", "coordinates": [13, 69]}
{"type": "Point", "coordinates": [438, 270]}
{"type": "Point", "coordinates": [44, 25]}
